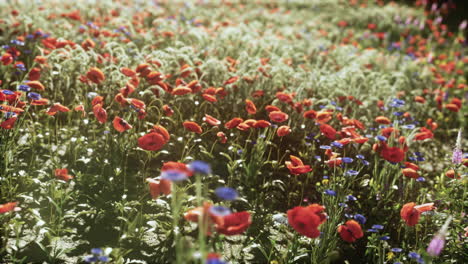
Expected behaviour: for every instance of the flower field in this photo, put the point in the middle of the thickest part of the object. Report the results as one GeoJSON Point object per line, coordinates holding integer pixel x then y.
{"type": "Point", "coordinates": [302, 131]}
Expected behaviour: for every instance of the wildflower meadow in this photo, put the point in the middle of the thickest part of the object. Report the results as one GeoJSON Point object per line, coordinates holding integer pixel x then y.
{"type": "Point", "coordinates": [249, 131]}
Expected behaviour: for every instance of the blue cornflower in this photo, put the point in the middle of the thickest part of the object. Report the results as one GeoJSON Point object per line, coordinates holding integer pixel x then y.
{"type": "Point", "coordinates": [398, 113]}
{"type": "Point", "coordinates": [351, 198]}
{"type": "Point", "coordinates": [98, 256]}
{"type": "Point", "coordinates": [17, 42]}
{"type": "Point", "coordinates": [396, 250]}
{"type": "Point", "coordinates": [384, 238]}
{"type": "Point", "coordinates": [214, 261]}
{"type": "Point", "coordinates": [347, 160]}
{"type": "Point", "coordinates": [344, 205]}
{"type": "Point", "coordinates": [352, 173]}
{"type": "Point", "coordinates": [411, 126]}
{"type": "Point", "coordinates": [421, 179]}
{"type": "Point", "coordinates": [337, 144]}
{"type": "Point", "coordinates": [20, 66]}
{"type": "Point", "coordinates": [414, 255]}
{"type": "Point", "coordinates": [174, 175]}
{"type": "Point", "coordinates": [220, 210]}
{"type": "Point", "coordinates": [325, 147]}
{"type": "Point", "coordinates": [378, 227]}
{"type": "Point", "coordinates": [360, 218]}
{"type": "Point", "coordinates": [24, 88]}
{"type": "Point", "coordinates": [330, 192]}
{"type": "Point", "coordinates": [34, 96]}
{"type": "Point", "coordinates": [396, 103]}
{"type": "Point", "coordinates": [372, 230]}
{"type": "Point", "coordinates": [365, 162]}
{"type": "Point", "coordinates": [359, 156]}
{"type": "Point", "coordinates": [226, 193]}
{"type": "Point", "coordinates": [381, 138]}
{"type": "Point", "coordinates": [198, 166]}
{"type": "Point", "coordinates": [97, 251]}
{"type": "Point", "coordinates": [7, 92]}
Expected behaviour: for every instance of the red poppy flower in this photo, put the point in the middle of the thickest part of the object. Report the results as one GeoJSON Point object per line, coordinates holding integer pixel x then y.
{"type": "Point", "coordinates": [127, 90]}
{"type": "Point", "coordinates": [42, 101]}
{"type": "Point", "coordinates": [97, 100]}
{"type": "Point", "coordinates": [423, 134]}
{"type": "Point", "coordinates": [168, 110]}
{"type": "Point", "coordinates": [211, 120]}
{"type": "Point", "coordinates": [246, 125]}
{"type": "Point", "coordinates": [410, 173]}
{"type": "Point", "coordinates": [250, 107]}
{"type": "Point", "coordinates": [261, 124]}
{"type": "Point", "coordinates": [9, 123]}
{"type": "Point", "coordinates": [159, 187]}
{"type": "Point", "coordinates": [137, 104]}
{"type": "Point", "coordinates": [36, 85]}
{"type": "Point", "coordinates": [141, 114]}
{"type": "Point", "coordinates": [57, 107]}
{"type": "Point", "coordinates": [34, 74]}
{"type": "Point", "coordinates": [202, 215]}
{"type": "Point", "coordinates": [452, 107]}
{"type": "Point", "coordinates": [392, 154]}
{"type": "Point", "coordinates": [271, 108]}
{"type": "Point", "coordinates": [233, 123]}
{"type": "Point", "coordinates": [192, 126]}
{"type": "Point", "coordinates": [419, 99]}
{"type": "Point", "coordinates": [457, 102]}
{"type": "Point", "coordinates": [283, 131]}
{"type": "Point", "coordinates": [387, 132]}
{"type": "Point", "coordinates": [306, 220]}
{"type": "Point", "coordinates": [451, 174]}
{"type": "Point", "coordinates": [181, 90]}
{"type": "Point", "coordinates": [120, 124]}
{"type": "Point", "coordinates": [258, 93]}
{"type": "Point", "coordinates": [323, 117]}
{"type": "Point", "coordinates": [411, 212]}
{"type": "Point", "coordinates": [383, 120]}
{"type": "Point", "coordinates": [411, 166]}
{"type": "Point", "coordinates": [328, 131]}
{"type": "Point", "coordinates": [350, 231]}
{"type": "Point", "coordinates": [62, 174]}
{"type": "Point", "coordinates": [178, 166]}
{"type": "Point", "coordinates": [95, 75]}
{"type": "Point", "coordinates": [151, 141]}
{"type": "Point", "coordinates": [143, 69]}
{"type": "Point", "coordinates": [127, 72]}
{"type": "Point", "coordinates": [80, 108]}
{"type": "Point", "coordinates": [209, 98]}
{"type": "Point", "coordinates": [6, 59]}
{"type": "Point", "coordinates": [234, 224]}
{"type": "Point", "coordinates": [231, 80]}
{"type": "Point", "coordinates": [278, 116]}
{"type": "Point", "coordinates": [100, 113]}
{"type": "Point", "coordinates": [311, 114]}
{"type": "Point", "coordinates": [8, 207]}
{"type": "Point", "coordinates": [162, 131]}
{"type": "Point", "coordinates": [296, 166]}
{"type": "Point", "coordinates": [222, 137]}
{"type": "Point", "coordinates": [284, 97]}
